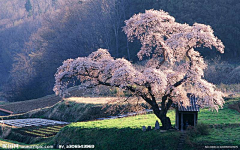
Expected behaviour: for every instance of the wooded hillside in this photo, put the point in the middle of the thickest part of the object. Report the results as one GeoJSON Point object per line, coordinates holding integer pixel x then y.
{"type": "Point", "coordinates": [37, 35]}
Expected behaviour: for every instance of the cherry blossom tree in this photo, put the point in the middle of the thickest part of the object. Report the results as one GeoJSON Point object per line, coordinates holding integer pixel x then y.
{"type": "Point", "coordinates": [173, 69]}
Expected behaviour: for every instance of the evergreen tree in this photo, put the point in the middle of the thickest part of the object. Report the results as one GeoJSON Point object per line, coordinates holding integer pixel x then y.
{"type": "Point", "coordinates": [28, 6]}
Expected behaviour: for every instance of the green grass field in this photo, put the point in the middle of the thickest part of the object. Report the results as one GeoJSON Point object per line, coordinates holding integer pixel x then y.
{"type": "Point", "coordinates": [221, 136]}
{"type": "Point", "coordinates": [124, 133]}
{"type": "Point", "coordinates": [224, 131]}
{"type": "Point", "coordinates": [135, 122]}
{"type": "Point", "coordinates": [223, 116]}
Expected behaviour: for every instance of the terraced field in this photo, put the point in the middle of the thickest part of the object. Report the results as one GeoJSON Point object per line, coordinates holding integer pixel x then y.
{"type": "Point", "coordinates": [43, 131]}
{"type": "Point", "coordinates": [31, 130]}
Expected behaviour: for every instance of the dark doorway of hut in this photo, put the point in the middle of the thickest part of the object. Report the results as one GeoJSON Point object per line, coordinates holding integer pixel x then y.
{"type": "Point", "coordinates": [188, 120]}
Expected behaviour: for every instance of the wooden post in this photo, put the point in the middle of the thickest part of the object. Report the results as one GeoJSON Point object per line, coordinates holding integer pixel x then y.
{"type": "Point", "coordinates": [194, 124]}
{"type": "Point", "coordinates": [176, 119]}
{"type": "Point", "coordinates": [182, 121]}
{"type": "Point", "coordinates": [196, 117]}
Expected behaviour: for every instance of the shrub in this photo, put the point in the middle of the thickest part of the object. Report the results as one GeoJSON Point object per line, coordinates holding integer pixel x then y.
{"type": "Point", "coordinates": [200, 129]}
{"type": "Point", "coordinates": [191, 131]}
{"type": "Point", "coordinates": [235, 106]}
{"type": "Point", "coordinates": [203, 129]}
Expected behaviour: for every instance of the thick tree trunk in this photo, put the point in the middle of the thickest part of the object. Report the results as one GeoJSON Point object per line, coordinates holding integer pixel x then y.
{"type": "Point", "coordinates": [166, 122]}
{"type": "Point", "coordinates": [162, 115]}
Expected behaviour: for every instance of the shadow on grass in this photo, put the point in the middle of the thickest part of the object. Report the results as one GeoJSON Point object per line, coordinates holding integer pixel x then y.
{"type": "Point", "coordinates": [118, 139]}
{"type": "Point", "coordinates": [219, 137]}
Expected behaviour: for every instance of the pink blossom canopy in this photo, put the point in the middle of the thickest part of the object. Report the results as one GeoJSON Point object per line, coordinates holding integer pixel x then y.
{"type": "Point", "coordinates": [174, 67]}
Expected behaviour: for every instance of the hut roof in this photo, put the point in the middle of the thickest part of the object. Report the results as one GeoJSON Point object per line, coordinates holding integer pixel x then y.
{"type": "Point", "coordinates": [193, 104]}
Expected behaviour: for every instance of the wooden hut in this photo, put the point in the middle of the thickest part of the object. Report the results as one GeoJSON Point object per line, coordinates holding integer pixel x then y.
{"type": "Point", "coordinates": [187, 116]}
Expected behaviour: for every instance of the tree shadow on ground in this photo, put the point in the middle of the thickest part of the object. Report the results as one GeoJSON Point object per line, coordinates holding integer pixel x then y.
{"type": "Point", "coordinates": [118, 138]}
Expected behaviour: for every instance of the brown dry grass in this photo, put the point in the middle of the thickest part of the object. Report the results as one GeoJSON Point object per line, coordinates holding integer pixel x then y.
{"type": "Point", "coordinates": [84, 108]}
{"type": "Point", "coordinates": [25, 106]}
{"type": "Point", "coordinates": [104, 100]}
{"type": "Point", "coordinates": [92, 100]}
{"type": "Point", "coordinates": [75, 108]}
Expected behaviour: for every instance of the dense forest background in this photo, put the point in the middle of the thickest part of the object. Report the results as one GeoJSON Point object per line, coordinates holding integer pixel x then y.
{"type": "Point", "coordinates": [37, 35]}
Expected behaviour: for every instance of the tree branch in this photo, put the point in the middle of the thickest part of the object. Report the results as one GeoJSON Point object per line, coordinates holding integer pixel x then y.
{"type": "Point", "coordinates": [164, 59]}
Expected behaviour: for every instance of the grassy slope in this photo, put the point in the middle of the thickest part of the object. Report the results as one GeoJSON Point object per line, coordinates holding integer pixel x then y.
{"type": "Point", "coordinates": [225, 128]}
{"type": "Point", "coordinates": [70, 112]}
{"type": "Point", "coordinates": [223, 116]}
{"type": "Point", "coordinates": [48, 101]}
{"type": "Point", "coordinates": [124, 133]}
{"type": "Point", "coordinates": [221, 136]}
{"type": "Point", "coordinates": [25, 106]}
{"type": "Point", "coordinates": [77, 109]}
